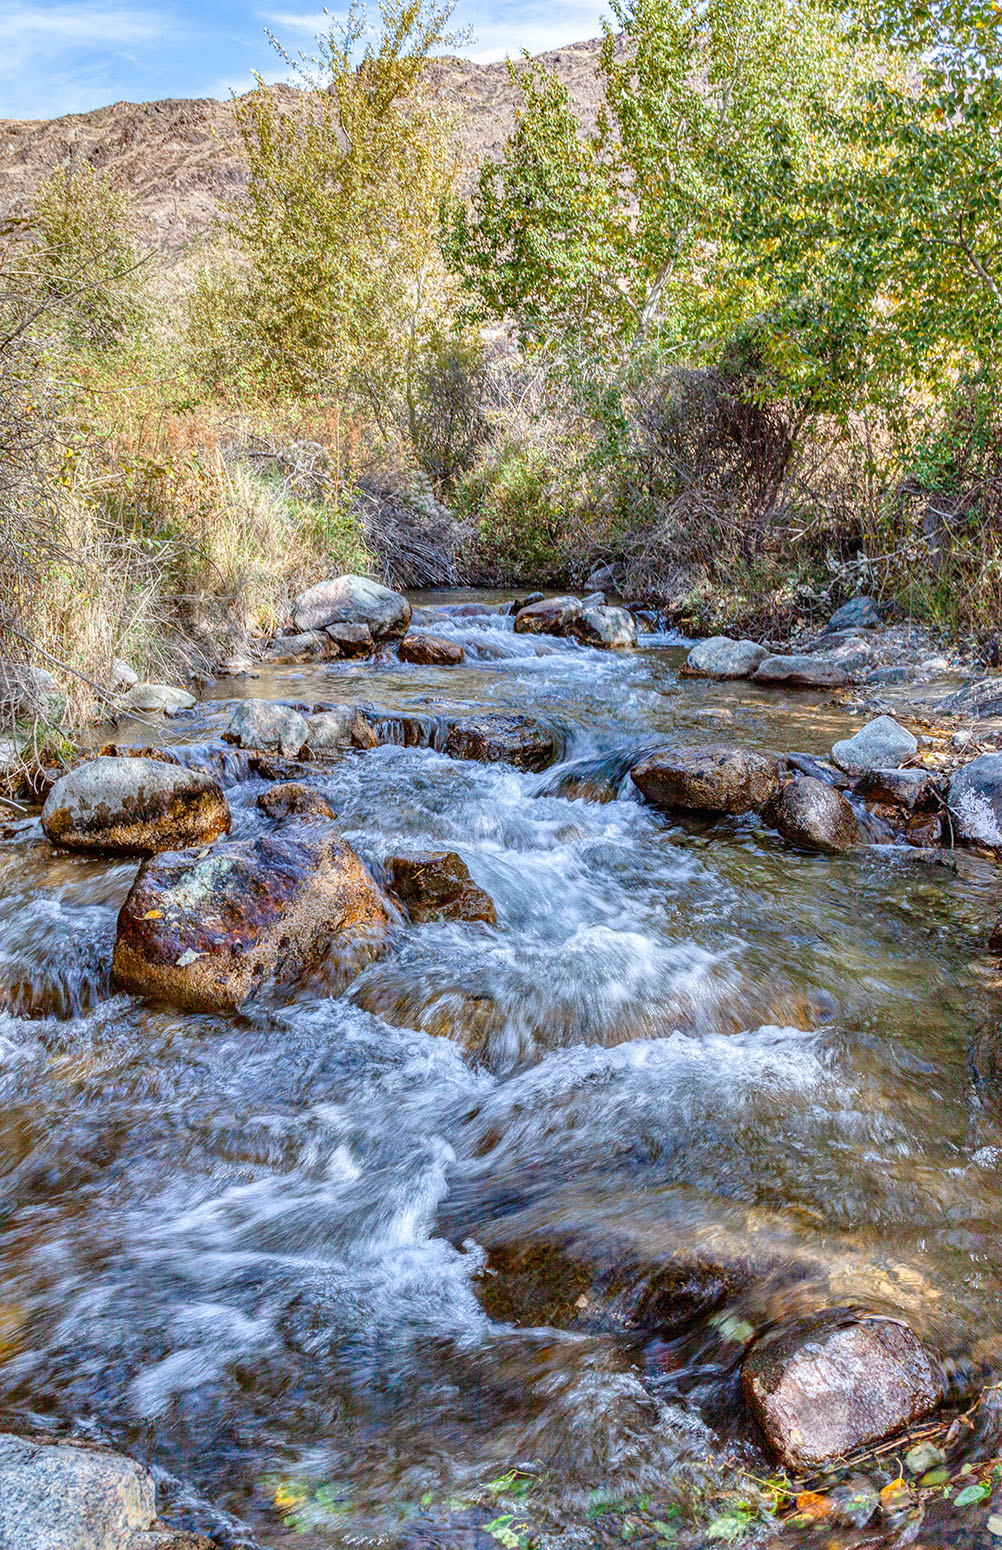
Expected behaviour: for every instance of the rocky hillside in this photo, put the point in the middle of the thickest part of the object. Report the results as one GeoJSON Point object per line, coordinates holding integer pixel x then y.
{"type": "Point", "coordinates": [179, 156]}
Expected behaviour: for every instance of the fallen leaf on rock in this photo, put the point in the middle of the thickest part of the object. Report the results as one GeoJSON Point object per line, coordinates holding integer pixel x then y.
{"type": "Point", "coordinates": [154, 915]}
{"type": "Point", "coordinates": [188, 956]}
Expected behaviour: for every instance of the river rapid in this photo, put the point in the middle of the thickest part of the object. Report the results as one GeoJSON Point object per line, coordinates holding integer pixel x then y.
{"type": "Point", "coordinates": [513, 1197]}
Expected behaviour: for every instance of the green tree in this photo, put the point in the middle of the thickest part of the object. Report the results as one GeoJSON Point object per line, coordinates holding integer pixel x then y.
{"type": "Point", "coordinates": [343, 275]}
{"type": "Point", "coordinates": [77, 254]}
{"type": "Point", "coordinates": [620, 231]}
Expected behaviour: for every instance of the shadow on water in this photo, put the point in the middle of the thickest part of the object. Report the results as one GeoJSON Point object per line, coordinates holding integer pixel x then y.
{"type": "Point", "coordinates": [334, 1263]}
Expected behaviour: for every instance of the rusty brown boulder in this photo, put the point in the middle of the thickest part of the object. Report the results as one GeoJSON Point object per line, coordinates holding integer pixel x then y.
{"type": "Point", "coordinates": [206, 931]}
{"type": "Point", "coordinates": [718, 778]}
{"type": "Point", "coordinates": [431, 650]}
{"type": "Point", "coordinates": [436, 885]}
{"type": "Point", "coordinates": [493, 739]}
{"type": "Point", "coordinates": [293, 799]}
{"type": "Point", "coordinates": [824, 1386]}
{"type": "Point", "coordinates": [134, 807]}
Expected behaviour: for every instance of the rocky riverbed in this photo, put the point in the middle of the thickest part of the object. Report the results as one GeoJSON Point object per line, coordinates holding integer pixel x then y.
{"type": "Point", "coordinates": [489, 1072]}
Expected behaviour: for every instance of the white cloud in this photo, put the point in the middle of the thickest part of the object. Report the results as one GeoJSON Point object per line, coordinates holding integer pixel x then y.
{"type": "Point", "coordinates": [54, 58]}
{"type": "Point", "coordinates": [25, 28]}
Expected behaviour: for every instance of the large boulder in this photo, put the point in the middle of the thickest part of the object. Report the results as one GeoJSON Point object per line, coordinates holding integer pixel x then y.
{"type": "Point", "coordinates": [801, 672]}
{"type": "Point", "coordinates": [206, 930]}
{"type": "Point", "coordinates": [860, 612]}
{"type": "Point", "coordinates": [827, 1385]}
{"type": "Point", "coordinates": [165, 698]}
{"type": "Point", "coordinates": [719, 778]}
{"type": "Point", "coordinates": [262, 724]}
{"type": "Point", "coordinates": [977, 700]}
{"type": "Point", "coordinates": [74, 1496]}
{"type": "Point", "coordinates": [809, 813]}
{"type": "Point", "coordinates": [495, 739]}
{"type": "Point", "coordinates": [721, 657]}
{"type": "Point", "coordinates": [436, 885]}
{"type": "Point", "coordinates": [353, 600]}
{"type": "Point", "coordinates": [431, 650]}
{"type": "Point", "coordinates": [975, 801]}
{"type": "Point", "coordinates": [551, 616]}
{"type": "Point", "coordinates": [134, 807]}
{"type": "Point", "coordinates": [607, 628]}
{"type": "Point", "coordinates": [881, 744]}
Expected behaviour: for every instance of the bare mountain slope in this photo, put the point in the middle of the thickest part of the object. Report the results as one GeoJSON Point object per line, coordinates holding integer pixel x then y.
{"type": "Point", "coordinates": [179, 156]}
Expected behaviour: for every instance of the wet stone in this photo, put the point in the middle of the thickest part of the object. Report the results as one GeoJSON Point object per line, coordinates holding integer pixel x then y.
{"type": "Point", "coordinates": [59, 1496]}
{"type": "Point", "coordinates": [809, 813]}
{"type": "Point", "coordinates": [801, 672]}
{"type": "Point", "coordinates": [552, 616]}
{"type": "Point", "coordinates": [306, 646]}
{"type": "Point", "coordinates": [291, 799]}
{"type": "Point", "coordinates": [431, 650]}
{"type": "Point", "coordinates": [336, 730]}
{"type": "Point", "coordinates": [206, 930]}
{"type": "Point", "coordinates": [495, 739]}
{"type": "Point", "coordinates": [607, 628]}
{"type": "Point", "coordinates": [975, 801]}
{"type": "Point", "coordinates": [349, 640]}
{"type": "Point", "coordinates": [262, 724]}
{"type": "Point", "coordinates": [711, 779]}
{"type": "Point", "coordinates": [134, 806]}
{"type": "Point", "coordinates": [901, 788]}
{"type": "Point", "coordinates": [436, 885]}
{"type": "Point", "coordinates": [721, 657]}
{"type": "Point", "coordinates": [822, 1387]}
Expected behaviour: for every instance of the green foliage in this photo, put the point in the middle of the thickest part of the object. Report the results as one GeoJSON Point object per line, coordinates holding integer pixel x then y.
{"type": "Point", "coordinates": [78, 256]}
{"type": "Point", "coordinates": [618, 231]}
{"type": "Point", "coordinates": [518, 517]}
{"type": "Point", "coordinates": [342, 278]}
{"type": "Point", "coordinates": [448, 408]}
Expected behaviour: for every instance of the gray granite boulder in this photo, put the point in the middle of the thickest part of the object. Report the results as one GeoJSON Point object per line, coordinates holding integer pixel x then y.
{"type": "Point", "coordinates": [862, 611]}
{"type": "Point", "coordinates": [881, 744]}
{"type": "Point", "coordinates": [146, 697]}
{"type": "Point", "coordinates": [134, 807]}
{"type": "Point", "coordinates": [262, 724]}
{"type": "Point", "coordinates": [721, 657]}
{"type": "Point", "coordinates": [353, 600]}
{"type": "Point", "coordinates": [801, 672]}
{"type": "Point", "coordinates": [975, 801]}
{"type": "Point", "coordinates": [813, 815]}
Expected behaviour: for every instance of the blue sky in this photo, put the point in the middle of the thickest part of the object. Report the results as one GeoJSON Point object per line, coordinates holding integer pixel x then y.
{"type": "Point", "coordinates": [66, 56]}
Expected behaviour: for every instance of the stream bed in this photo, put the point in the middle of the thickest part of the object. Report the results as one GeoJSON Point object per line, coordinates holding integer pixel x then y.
{"type": "Point", "coordinates": [512, 1199]}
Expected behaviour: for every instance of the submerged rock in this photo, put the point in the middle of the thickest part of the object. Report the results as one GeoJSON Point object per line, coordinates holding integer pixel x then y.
{"type": "Point", "coordinates": [436, 885]}
{"type": "Point", "coordinates": [824, 1386]}
{"type": "Point", "coordinates": [73, 1496]}
{"type": "Point", "coordinates": [552, 616]}
{"type": "Point", "coordinates": [862, 612]}
{"type": "Point", "coordinates": [719, 778]}
{"type": "Point", "coordinates": [293, 799]}
{"type": "Point", "coordinates": [975, 801]}
{"type": "Point", "coordinates": [721, 657]}
{"type": "Point", "coordinates": [881, 744]}
{"type": "Point", "coordinates": [431, 650]}
{"type": "Point", "coordinates": [353, 600]}
{"type": "Point", "coordinates": [801, 672]}
{"type": "Point", "coordinates": [810, 813]}
{"type": "Point", "coordinates": [496, 739]}
{"type": "Point", "coordinates": [607, 628]}
{"type": "Point", "coordinates": [262, 724]}
{"type": "Point", "coordinates": [134, 807]}
{"type": "Point", "coordinates": [157, 697]}
{"type": "Point", "coordinates": [206, 931]}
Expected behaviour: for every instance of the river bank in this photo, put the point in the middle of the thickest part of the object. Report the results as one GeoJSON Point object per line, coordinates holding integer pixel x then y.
{"type": "Point", "coordinates": [477, 1243]}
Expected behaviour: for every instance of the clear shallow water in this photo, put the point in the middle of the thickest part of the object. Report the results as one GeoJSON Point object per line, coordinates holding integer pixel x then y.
{"type": "Point", "coordinates": [333, 1240]}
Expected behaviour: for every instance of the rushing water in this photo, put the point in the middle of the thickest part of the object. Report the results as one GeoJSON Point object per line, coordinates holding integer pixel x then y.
{"type": "Point", "coordinates": [504, 1201]}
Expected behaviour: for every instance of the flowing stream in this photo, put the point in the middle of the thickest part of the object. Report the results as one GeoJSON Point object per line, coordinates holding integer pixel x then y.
{"type": "Point", "coordinates": [510, 1198]}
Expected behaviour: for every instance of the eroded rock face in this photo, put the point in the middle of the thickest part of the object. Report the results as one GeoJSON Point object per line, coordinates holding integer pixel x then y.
{"type": "Point", "coordinates": [436, 885]}
{"type": "Point", "coordinates": [811, 814]}
{"type": "Point", "coordinates": [261, 724]}
{"type": "Point", "coordinates": [293, 799]}
{"type": "Point", "coordinates": [721, 657]}
{"type": "Point", "coordinates": [165, 698]}
{"type": "Point", "coordinates": [518, 740]}
{"type": "Point", "coordinates": [552, 616]}
{"type": "Point", "coordinates": [716, 779]}
{"type": "Point", "coordinates": [609, 629]}
{"type": "Point", "coordinates": [134, 807]}
{"type": "Point", "coordinates": [975, 801]}
{"type": "Point", "coordinates": [881, 744]}
{"type": "Point", "coordinates": [353, 600]}
{"type": "Point", "coordinates": [827, 1385]}
{"type": "Point", "coordinates": [206, 931]}
{"type": "Point", "coordinates": [862, 612]}
{"type": "Point", "coordinates": [431, 650]}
